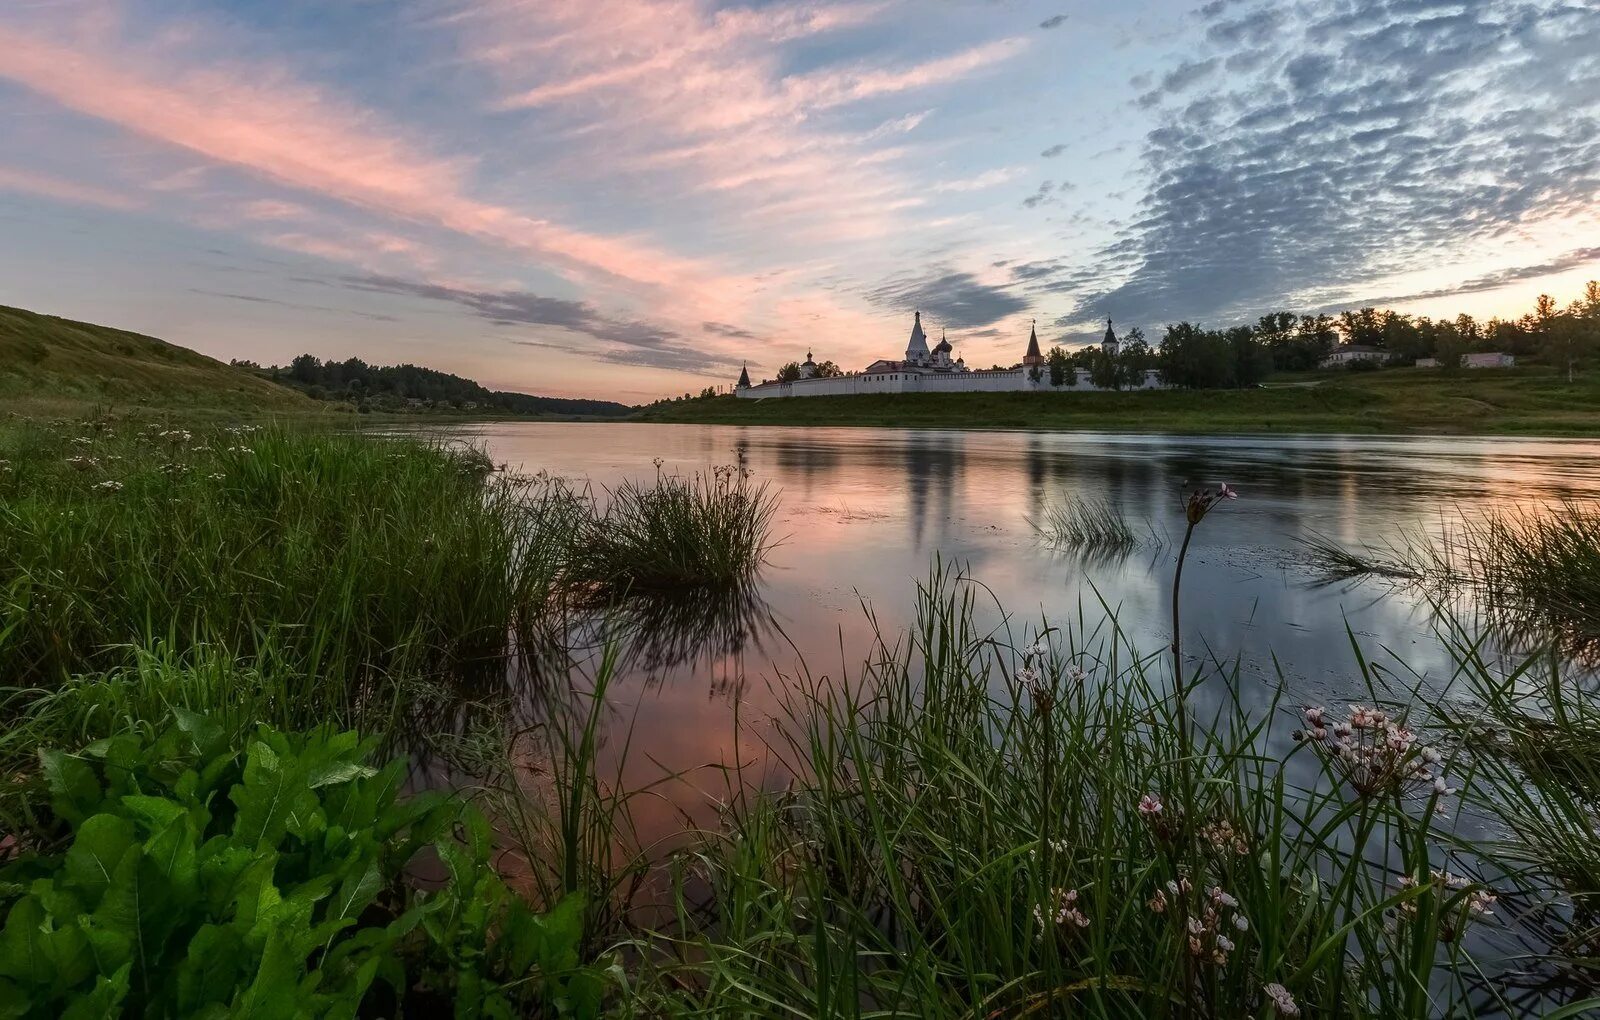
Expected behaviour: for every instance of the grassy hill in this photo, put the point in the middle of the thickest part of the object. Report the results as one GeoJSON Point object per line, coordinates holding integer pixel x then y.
{"type": "Point", "coordinates": [49, 363]}
{"type": "Point", "coordinates": [1526, 401]}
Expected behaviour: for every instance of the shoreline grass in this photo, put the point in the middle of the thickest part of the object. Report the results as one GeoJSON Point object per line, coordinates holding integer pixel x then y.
{"type": "Point", "coordinates": [1534, 570]}
{"type": "Point", "coordinates": [1403, 401]}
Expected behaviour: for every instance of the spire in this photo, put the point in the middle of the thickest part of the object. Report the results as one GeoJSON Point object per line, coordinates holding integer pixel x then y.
{"type": "Point", "coordinates": [1111, 335]}
{"type": "Point", "coordinates": [917, 346]}
{"type": "Point", "coordinates": [744, 377]}
{"type": "Point", "coordinates": [1033, 341]}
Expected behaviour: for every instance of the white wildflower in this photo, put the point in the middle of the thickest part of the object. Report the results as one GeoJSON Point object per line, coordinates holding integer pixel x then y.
{"type": "Point", "coordinates": [1282, 1002]}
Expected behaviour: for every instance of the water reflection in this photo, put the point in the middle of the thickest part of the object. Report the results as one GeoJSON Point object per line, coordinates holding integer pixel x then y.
{"type": "Point", "coordinates": [706, 631]}
{"type": "Point", "coordinates": [863, 511]}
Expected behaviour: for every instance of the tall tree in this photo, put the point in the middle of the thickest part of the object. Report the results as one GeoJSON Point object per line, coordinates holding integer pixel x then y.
{"type": "Point", "coordinates": [1363, 327]}
{"type": "Point", "coordinates": [1061, 371]}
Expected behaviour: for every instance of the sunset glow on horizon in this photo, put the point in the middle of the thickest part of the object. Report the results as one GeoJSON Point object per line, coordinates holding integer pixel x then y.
{"type": "Point", "coordinates": [628, 199]}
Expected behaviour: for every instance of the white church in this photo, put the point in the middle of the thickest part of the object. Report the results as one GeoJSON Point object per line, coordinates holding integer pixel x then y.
{"type": "Point", "coordinates": [935, 371]}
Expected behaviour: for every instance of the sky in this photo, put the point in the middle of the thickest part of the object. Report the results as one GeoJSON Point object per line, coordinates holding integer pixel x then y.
{"type": "Point", "coordinates": [629, 199]}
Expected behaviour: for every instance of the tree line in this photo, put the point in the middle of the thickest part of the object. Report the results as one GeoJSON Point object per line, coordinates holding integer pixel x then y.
{"type": "Point", "coordinates": [1192, 357]}
{"type": "Point", "coordinates": [383, 387]}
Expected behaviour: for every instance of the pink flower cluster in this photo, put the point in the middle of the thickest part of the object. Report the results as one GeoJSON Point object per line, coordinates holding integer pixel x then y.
{"type": "Point", "coordinates": [1223, 837]}
{"type": "Point", "coordinates": [1201, 502]}
{"type": "Point", "coordinates": [1479, 900]}
{"type": "Point", "coordinates": [1065, 911]}
{"type": "Point", "coordinates": [1205, 926]}
{"type": "Point", "coordinates": [1374, 753]}
{"type": "Point", "coordinates": [1282, 1002]}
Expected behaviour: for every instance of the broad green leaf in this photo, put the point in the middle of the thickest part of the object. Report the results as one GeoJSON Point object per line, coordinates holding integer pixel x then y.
{"type": "Point", "coordinates": [97, 849]}
{"type": "Point", "coordinates": [22, 953]}
{"type": "Point", "coordinates": [75, 790]}
{"type": "Point", "coordinates": [104, 1000]}
{"type": "Point", "coordinates": [153, 812]}
{"type": "Point", "coordinates": [267, 797]}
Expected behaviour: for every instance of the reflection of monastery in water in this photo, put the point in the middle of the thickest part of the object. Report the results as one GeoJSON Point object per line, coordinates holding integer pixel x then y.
{"type": "Point", "coordinates": [935, 371]}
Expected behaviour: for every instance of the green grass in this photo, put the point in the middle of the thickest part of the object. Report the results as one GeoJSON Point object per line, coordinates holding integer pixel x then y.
{"type": "Point", "coordinates": [54, 365]}
{"type": "Point", "coordinates": [937, 805]}
{"type": "Point", "coordinates": [1525, 401]}
{"type": "Point", "coordinates": [343, 557]}
{"type": "Point", "coordinates": [1534, 570]}
{"type": "Point", "coordinates": [927, 811]}
{"type": "Point", "coordinates": [675, 533]}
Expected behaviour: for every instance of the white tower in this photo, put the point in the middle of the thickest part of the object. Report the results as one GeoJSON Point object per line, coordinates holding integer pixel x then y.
{"type": "Point", "coordinates": [917, 346]}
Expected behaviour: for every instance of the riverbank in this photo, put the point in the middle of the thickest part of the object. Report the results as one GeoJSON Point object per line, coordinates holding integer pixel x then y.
{"type": "Point", "coordinates": [1527, 401]}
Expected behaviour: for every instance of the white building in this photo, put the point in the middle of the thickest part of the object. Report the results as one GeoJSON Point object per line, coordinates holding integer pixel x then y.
{"type": "Point", "coordinates": [1484, 359]}
{"type": "Point", "coordinates": [935, 371]}
{"type": "Point", "coordinates": [1344, 354]}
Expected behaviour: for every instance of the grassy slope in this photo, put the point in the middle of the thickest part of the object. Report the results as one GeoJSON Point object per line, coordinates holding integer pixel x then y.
{"type": "Point", "coordinates": [47, 363]}
{"type": "Point", "coordinates": [1526, 401]}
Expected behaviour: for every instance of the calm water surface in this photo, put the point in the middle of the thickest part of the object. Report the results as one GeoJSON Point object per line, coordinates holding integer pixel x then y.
{"type": "Point", "coordinates": [864, 512]}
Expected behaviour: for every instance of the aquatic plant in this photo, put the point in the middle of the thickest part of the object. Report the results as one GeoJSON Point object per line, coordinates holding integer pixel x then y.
{"type": "Point", "coordinates": [1534, 570]}
{"type": "Point", "coordinates": [675, 533]}
{"type": "Point", "coordinates": [984, 826]}
{"type": "Point", "coordinates": [1091, 526]}
{"type": "Point", "coordinates": [1339, 562]}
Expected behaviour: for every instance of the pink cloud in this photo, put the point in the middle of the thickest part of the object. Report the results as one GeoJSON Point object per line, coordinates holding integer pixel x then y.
{"type": "Point", "coordinates": [676, 87]}
{"type": "Point", "coordinates": [72, 192]}
{"type": "Point", "coordinates": [263, 121]}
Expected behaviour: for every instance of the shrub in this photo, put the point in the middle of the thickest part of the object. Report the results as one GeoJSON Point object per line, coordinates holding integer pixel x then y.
{"type": "Point", "coordinates": [198, 880]}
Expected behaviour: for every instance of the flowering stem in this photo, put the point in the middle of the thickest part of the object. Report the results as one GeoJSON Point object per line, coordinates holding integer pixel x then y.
{"type": "Point", "coordinates": [1177, 642]}
{"type": "Point", "coordinates": [1178, 581]}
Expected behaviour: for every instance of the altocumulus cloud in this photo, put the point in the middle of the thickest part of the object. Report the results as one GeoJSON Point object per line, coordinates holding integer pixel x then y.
{"type": "Point", "coordinates": [1322, 142]}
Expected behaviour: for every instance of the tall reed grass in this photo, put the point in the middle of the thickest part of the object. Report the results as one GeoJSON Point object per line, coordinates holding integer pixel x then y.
{"type": "Point", "coordinates": [345, 556]}
{"type": "Point", "coordinates": [1535, 570]}
{"type": "Point", "coordinates": [986, 826]}
{"type": "Point", "coordinates": [676, 533]}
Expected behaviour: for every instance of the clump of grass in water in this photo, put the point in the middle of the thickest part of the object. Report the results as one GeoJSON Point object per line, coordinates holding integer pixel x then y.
{"type": "Point", "coordinates": [676, 533]}
{"type": "Point", "coordinates": [1341, 563]}
{"type": "Point", "coordinates": [1535, 732]}
{"type": "Point", "coordinates": [1541, 563]}
{"type": "Point", "coordinates": [1088, 526]}
{"type": "Point", "coordinates": [1532, 569]}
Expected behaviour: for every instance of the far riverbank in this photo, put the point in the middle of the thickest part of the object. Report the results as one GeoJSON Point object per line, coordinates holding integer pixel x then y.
{"type": "Point", "coordinates": [1531, 401]}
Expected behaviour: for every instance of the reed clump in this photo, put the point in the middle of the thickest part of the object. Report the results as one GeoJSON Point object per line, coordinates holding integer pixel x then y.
{"type": "Point", "coordinates": [1090, 526]}
{"type": "Point", "coordinates": [675, 533]}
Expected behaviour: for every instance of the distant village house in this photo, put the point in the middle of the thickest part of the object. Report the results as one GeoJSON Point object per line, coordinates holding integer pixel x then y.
{"type": "Point", "coordinates": [1348, 353]}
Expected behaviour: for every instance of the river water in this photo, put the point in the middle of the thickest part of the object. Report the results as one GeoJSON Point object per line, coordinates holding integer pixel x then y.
{"type": "Point", "coordinates": [865, 512]}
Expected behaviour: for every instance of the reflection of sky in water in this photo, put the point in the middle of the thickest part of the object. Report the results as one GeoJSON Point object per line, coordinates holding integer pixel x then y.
{"type": "Point", "coordinates": [864, 512]}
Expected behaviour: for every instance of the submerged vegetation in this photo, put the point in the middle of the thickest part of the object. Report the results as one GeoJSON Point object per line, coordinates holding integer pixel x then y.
{"type": "Point", "coordinates": [986, 819]}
